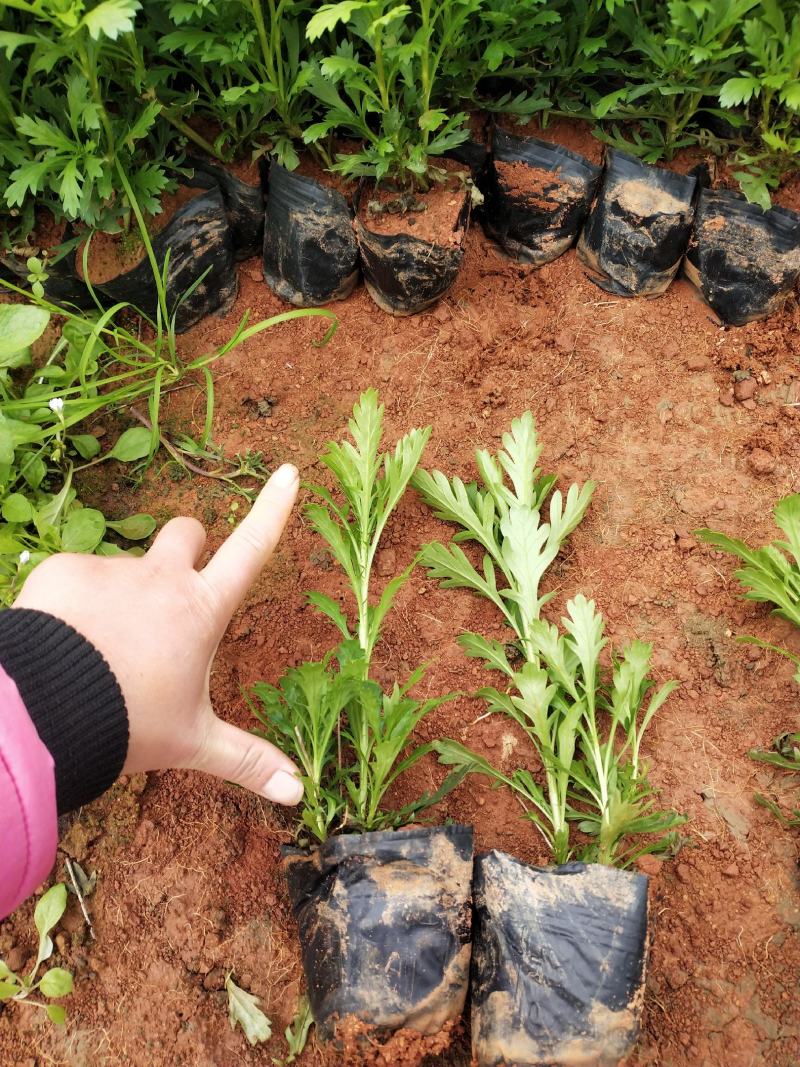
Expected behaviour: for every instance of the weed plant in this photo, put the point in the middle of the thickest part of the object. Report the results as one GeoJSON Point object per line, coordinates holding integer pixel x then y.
{"type": "Point", "coordinates": [102, 362]}
{"type": "Point", "coordinates": [31, 989]}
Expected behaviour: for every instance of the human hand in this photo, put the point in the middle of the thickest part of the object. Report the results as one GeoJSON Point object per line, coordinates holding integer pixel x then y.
{"type": "Point", "coordinates": [158, 621]}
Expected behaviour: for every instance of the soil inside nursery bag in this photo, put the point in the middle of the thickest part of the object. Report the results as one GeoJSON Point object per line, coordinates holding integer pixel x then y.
{"type": "Point", "coordinates": [385, 922]}
{"type": "Point", "coordinates": [558, 963]}
{"type": "Point", "coordinates": [639, 226]}
{"type": "Point", "coordinates": [744, 261]}
{"type": "Point", "coordinates": [310, 250]}
{"type": "Point", "coordinates": [412, 247]}
{"type": "Point", "coordinates": [198, 238]}
{"type": "Point", "coordinates": [537, 196]}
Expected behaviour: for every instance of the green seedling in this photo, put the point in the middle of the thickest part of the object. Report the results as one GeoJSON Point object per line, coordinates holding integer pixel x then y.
{"type": "Point", "coordinates": [296, 1033]}
{"type": "Point", "coordinates": [247, 65]}
{"type": "Point", "coordinates": [558, 695]}
{"type": "Point", "coordinates": [383, 86]}
{"type": "Point", "coordinates": [771, 575]}
{"type": "Point", "coordinates": [61, 138]}
{"type": "Point", "coordinates": [785, 754]}
{"type": "Point", "coordinates": [768, 84]}
{"type": "Point", "coordinates": [345, 732]}
{"type": "Point", "coordinates": [55, 982]}
{"type": "Point", "coordinates": [370, 484]}
{"type": "Point", "coordinates": [674, 57]}
{"type": "Point", "coordinates": [244, 1011]}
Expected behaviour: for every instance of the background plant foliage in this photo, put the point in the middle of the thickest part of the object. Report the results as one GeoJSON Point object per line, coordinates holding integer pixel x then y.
{"type": "Point", "coordinates": [84, 85]}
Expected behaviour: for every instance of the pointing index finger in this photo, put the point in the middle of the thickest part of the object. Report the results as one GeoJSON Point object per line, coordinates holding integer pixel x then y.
{"type": "Point", "coordinates": [239, 560]}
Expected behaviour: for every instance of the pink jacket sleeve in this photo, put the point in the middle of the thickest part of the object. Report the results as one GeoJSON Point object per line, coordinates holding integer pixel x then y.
{"type": "Point", "coordinates": [28, 821]}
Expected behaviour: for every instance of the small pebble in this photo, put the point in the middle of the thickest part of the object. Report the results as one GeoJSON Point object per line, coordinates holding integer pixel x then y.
{"type": "Point", "coordinates": [745, 389]}
{"type": "Point", "coordinates": [726, 397]}
{"type": "Point", "coordinates": [731, 871]}
{"type": "Point", "coordinates": [684, 873]}
{"type": "Point", "coordinates": [761, 462]}
{"type": "Point", "coordinates": [697, 363]}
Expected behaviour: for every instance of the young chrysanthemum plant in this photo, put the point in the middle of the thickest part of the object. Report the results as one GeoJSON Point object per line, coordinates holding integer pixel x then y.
{"type": "Point", "coordinates": [343, 730]}
{"type": "Point", "coordinates": [557, 695]}
{"type": "Point", "coordinates": [771, 575]}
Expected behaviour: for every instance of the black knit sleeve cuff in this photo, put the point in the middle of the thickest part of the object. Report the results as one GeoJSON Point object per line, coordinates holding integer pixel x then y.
{"type": "Point", "coordinates": [73, 699]}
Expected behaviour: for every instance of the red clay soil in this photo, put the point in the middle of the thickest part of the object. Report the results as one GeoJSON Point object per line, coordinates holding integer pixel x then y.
{"type": "Point", "coordinates": [637, 394]}
{"type": "Point", "coordinates": [113, 254]}
{"type": "Point", "coordinates": [574, 134]}
{"type": "Point", "coordinates": [433, 216]}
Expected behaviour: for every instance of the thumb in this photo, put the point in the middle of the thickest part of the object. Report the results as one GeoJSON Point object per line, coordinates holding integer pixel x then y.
{"type": "Point", "coordinates": [249, 761]}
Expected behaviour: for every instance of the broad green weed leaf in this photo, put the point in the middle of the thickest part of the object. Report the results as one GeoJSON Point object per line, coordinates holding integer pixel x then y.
{"type": "Point", "coordinates": [56, 982]}
{"type": "Point", "coordinates": [85, 444]}
{"type": "Point", "coordinates": [133, 444]}
{"type": "Point", "coordinates": [134, 527]}
{"type": "Point", "coordinates": [49, 909]}
{"type": "Point", "coordinates": [243, 1008]}
{"type": "Point", "coordinates": [57, 1014]}
{"type": "Point", "coordinates": [8, 989]}
{"type": "Point", "coordinates": [83, 531]}
{"type": "Point", "coordinates": [20, 326]}
{"type": "Point", "coordinates": [17, 508]}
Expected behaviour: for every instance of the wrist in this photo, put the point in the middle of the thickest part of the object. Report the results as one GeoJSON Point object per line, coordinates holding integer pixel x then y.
{"type": "Point", "coordinates": [72, 698]}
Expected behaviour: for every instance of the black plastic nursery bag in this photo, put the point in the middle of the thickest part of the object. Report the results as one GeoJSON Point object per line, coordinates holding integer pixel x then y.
{"type": "Point", "coordinates": [384, 921]}
{"type": "Point", "coordinates": [198, 238]}
{"type": "Point", "coordinates": [310, 250]}
{"type": "Point", "coordinates": [244, 205]}
{"type": "Point", "coordinates": [639, 226]}
{"type": "Point", "coordinates": [558, 963]}
{"type": "Point", "coordinates": [406, 275]}
{"type": "Point", "coordinates": [745, 261]}
{"type": "Point", "coordinates": [536, 196]}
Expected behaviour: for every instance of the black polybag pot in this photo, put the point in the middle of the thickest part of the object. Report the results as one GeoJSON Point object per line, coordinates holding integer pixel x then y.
{"type": "Point", "coordinates": [384, 921]}
{"type": "Point", "coordinates": [198, 238]}
{"type": "Point", "coordinates": [558, 963]}
{"type": "Point", "coordinates": [639, 226]}
{"type": "Point", "coordinates": [244, 205]}
{"type": "Point", "coordinates": [538, 219]}
{"type": "Point", "coordinates": [310, 250]}
{"type": "Point", "coordinates": [745, 261]}
{"type": "Point", "coordinates": [404, 274]}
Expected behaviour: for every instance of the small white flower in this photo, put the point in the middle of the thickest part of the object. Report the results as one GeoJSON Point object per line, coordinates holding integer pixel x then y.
{"type": "Point", "coordinates": [57, 404]}
{"type": "Point", "coordinates": [24, 557]}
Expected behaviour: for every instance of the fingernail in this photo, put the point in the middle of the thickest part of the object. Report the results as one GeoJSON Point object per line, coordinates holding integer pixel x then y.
{"type": "Point", "coordinates": [283, 788]}
{"type": "Point", "coordinates": [285, 476]}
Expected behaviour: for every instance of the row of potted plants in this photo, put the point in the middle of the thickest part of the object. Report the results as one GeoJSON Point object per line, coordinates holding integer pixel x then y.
{"type": "Point", "coordinates": [88, 84]}
{"type": "Point", "coordinates": [636, 226]}
{"type": "Point", "coordinates": [385, 905]}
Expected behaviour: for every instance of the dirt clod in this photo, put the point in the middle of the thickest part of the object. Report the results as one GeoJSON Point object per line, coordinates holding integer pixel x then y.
{"type": "Point", "coordinates": [745, 389]}
{"type": "Point", "coordinates": [761, 462]}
